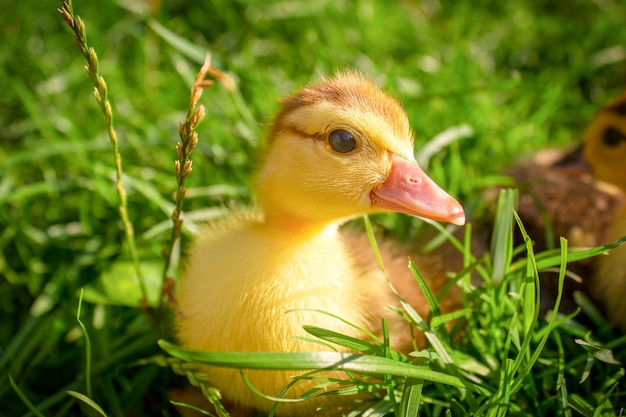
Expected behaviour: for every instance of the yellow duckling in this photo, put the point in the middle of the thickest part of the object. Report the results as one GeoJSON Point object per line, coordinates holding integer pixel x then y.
{"type": "Point", "coordinates": [338, 149]}
{"type": "Point", "coordinates": [605, 152]}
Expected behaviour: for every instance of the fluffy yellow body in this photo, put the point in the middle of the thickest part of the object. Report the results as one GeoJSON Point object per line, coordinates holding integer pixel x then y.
{"type": "Point", "coordinates": [261, 302]}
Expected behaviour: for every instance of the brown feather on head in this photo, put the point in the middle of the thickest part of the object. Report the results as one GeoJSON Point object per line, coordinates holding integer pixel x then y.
{"type": "Point", "coordinates": [346, 90]}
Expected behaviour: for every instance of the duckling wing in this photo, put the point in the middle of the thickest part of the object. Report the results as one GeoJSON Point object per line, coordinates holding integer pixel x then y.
{"type": "Point", "coordinates": [377, 291]}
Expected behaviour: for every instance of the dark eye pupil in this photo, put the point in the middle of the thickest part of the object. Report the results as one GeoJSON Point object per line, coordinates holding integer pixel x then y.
{"type": "Point", "coordinates": [612, 136]}
{"type": "Point", "coordinates": [341, 141]}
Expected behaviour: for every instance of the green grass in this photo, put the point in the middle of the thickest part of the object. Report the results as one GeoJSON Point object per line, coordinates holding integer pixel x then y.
{"type": "Point", "coordinates": [521, 75]}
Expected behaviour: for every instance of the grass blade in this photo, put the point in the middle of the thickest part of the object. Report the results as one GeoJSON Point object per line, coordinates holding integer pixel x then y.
{"type": "Point", "coordinates": [87, 346]}
{"type": "Point", "coordinates": [316, 360]}
{"type": "Point", "coordinates": [348, 342]}
{"type": "Point", "coordinates": [91, 403]}
{"type": "Point", "coordinates": [411, 397]}
{"type": "Point", "coordinates": [190, 49]}
{"type": "Point", "coordinates": [502, 241]}
{"type": "Point", "coordinates": [25, 399]}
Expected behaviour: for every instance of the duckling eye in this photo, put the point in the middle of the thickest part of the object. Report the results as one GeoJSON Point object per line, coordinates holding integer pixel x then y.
{"type": "Point", "coordinates": [612, 136]}
{"type": "Point", "coordinates": [342, 141]}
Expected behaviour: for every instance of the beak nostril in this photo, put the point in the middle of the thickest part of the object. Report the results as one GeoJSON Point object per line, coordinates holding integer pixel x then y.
{"type": "Point", "coordinates": [407, 189]}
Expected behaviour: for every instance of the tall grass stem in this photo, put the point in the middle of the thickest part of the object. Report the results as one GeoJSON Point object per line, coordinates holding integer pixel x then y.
{"type": "Point", "coordinates": [183, 163]}
{"type": "Point", "coordinates": [101, 94]}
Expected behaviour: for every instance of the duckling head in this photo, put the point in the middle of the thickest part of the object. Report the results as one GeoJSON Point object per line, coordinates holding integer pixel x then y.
{"type": "Point", "coordinates": [342, 148]}
{"type": "Point", "coordinates": [605, 143]}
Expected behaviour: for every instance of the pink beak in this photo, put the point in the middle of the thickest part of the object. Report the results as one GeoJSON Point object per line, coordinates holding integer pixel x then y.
{"type": "Point", "coordinates": [409, 190]}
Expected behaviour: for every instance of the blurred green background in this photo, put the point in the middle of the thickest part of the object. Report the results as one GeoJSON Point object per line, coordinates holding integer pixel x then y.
{"type": "Point", "coordinates": [522, 75]}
